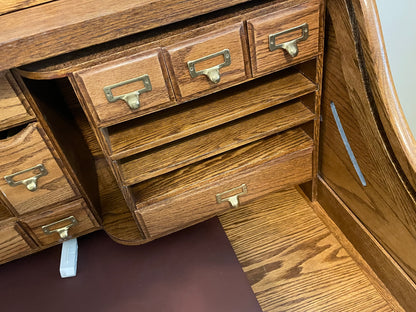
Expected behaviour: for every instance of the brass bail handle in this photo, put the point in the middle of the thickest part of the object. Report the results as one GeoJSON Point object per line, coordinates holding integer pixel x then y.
{"type": "Point", "coordinates": [132, 99]}
{"type": "Point", "coordinates": [291, 46]}
{"type": "Point", "coordinates": [30, 183]}
{"type": "Point", "coordinates": [212, 73]}
{"type": "Point", "coordinates": [232, 199]}
{"type": "Point", "coordinates": [63, 230]}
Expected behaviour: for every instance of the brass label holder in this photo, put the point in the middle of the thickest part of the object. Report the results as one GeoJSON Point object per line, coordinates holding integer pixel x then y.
{"type": "Point", "coordinates": [30, 183]}
{"type": "Point", "coordinates": [132, 98]}
{"type": "Point", "coordinates": [63, 230]}
{"type": "Point", "coordinates": [291, 46]}
{"type": "Point", "coordinates": [213, 73]}
{"type": "Point", "coordinates": [232, 199]}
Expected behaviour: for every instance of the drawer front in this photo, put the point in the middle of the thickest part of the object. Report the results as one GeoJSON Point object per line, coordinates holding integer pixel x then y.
{"type": "Point", "coordinates": [74, 217]}
{"type": "Point", "coordinates": [207, 63]}
{"type": "Point", "coordinates": [283, 38]}
{"type": "Point", "coordinates": [31, 177]}
{"type": "Point", "coordinates": [125, 88]}
{"type": "Point", "coordinates": [13, 107]}
{"type": "Point", "coordinates": [230, 191]}
{"type": "Point", "coordinates": [12, 244]}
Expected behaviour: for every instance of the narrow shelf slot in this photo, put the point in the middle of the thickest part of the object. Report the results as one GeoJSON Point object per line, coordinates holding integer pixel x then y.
{"type": "Point", "coordinates": [189, 118]}
{"type": "Point", "coordinates": [243, 159]}
{"type": "Point", "coordinates": [212, 142]}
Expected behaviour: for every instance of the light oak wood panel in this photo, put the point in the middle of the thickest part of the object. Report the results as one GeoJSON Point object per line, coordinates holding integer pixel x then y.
{"type": "Point", "coordinates": [259, 29]}
{"type": "Point", "coordinates": [13, 106]}
{"type": "Point", "coordinates": [12, 244]}
{"type": "Point", "coordinates": [77, 209]}
{"type": "Point", "coordinates": [25, 150]}
{"type": "Point", "coordinates": [292, 260]}
{"type": "Point", "coordinates": [288, 162]}
{"type": "Point", "coordinates": [213, 142]}
{"type": "Point", "coordinates": [178, 55]}
{"type": "Point", "coordinates": [93, 80]}
{"type": "Point", "coordinates": [384, 204]}
{"type": "Point", "coordinates": [66, 25]}
{"type": "Point", "coordinates": [380, 261]}
{"type": "Point", "coordinates": [189, 118]}
{"type": "Point", "coordinates": [7, 6]}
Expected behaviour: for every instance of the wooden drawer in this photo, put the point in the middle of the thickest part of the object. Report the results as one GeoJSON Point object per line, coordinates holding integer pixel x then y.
{"type": "Point", "coordinates": [12, 243]}
{"type": "Point", "coordinates": [199, 191]}
{"type": "Point", "coordinates": [283, 38]}
{"type": "Point", "coordinates": [27, 155]}
{"type": "Point", "coordinates": [13, 106]}
{"type": "Point", "coordinates": [125, 88]}
{"type": "Point", "coordinates": [75, 215]}
{"type": "Point", "coordinates": [207, 63]}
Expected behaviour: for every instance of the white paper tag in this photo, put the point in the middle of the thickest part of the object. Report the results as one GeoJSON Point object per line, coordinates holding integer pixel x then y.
{"type": "Point", "coordinates": [69, 257]}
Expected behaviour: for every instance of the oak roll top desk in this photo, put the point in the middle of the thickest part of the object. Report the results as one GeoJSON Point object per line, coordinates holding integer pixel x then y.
{"type": "Point", "coordinates": [148, 117]}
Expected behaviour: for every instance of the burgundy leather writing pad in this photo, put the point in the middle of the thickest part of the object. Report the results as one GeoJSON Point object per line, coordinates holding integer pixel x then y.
{"type": "Point", "coordinates": [192, 270]}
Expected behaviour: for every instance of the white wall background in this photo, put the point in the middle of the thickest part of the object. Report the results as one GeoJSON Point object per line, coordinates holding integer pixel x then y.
{"type": "Point", "coordinates": [399, 29]}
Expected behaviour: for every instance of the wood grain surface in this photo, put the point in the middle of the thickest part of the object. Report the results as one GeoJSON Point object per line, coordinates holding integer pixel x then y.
{"type": "Point", "coordinates": [117, 219]}
{"type": "Point", "coordinates": [93, 80]}
{"type": "Point", "coordinates": [192, 117]}
{"type": "Point", "coordinates": [381, 90]}
{"type": "Point", "coordinates": [385, 205]}
{"type": "Point", "coordinates": [292, 260]}
{"type": "Point", "coordinates": [177, 56]}
{"type": "Point", "coordinates": [12, 244]}
{"type": "Point", "coordinates": [213, 142]}
{"type": "Point", "coordinates": [14, 107]}
{"type": "Point", "coordinates": [288, 162]}
{"type": "Point", "coordinates": [78, 209]}
{"type": "Point", "coordinates": [66, 25]}
{"type": "Point", "coordinates": [7, 6]}
{"type": "Point", "coordinates": [238, 160]}
{"type": "Point", "coordinates": [381, 262]}
{"type": "Point", "coordinates": [262, 59]}
{"type": "Point", "coordinates": [4, 212]}
{"type": "Point", "coordinates": [26, 150]}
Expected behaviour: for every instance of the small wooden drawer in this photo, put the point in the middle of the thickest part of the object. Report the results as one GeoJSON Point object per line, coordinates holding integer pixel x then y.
{"type": "Point", "coordinates": [31, 177]}
{"type": "Point", "coordinates": [75, 217]}
{"type": "Point", "coordinates": [207, 63]}
{"type": "Point", "coordinates": [12, 243]}
{"type": "Point", "coordinates": [13, 106]}
{"type": "Point", "coordinates": [283, 38]}
{"type": "Point", "coordinates": [200, 191]}
{"type": "Point", "coordinates": [125, 88]}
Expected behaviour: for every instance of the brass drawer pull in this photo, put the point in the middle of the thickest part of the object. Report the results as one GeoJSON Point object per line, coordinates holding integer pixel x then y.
{"type": "Point", "coordinates": [132, 98]}
{"type": "Point", "coordinates": [30, 183]}
{"type": "Point", "coordinates": [290, 46]}
{"type": "Point", "coordinates": [232, 199]}
{"type": "Point", "coordinates": [212, 73]}
{"type": "Point", "coordinates": [63, 230]}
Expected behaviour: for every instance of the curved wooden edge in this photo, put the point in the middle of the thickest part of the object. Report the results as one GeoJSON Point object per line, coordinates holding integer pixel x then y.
{"type": "Point", "coordinates": [394, 122]}
{"type": "Point", "coordinates": [17, 139]}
